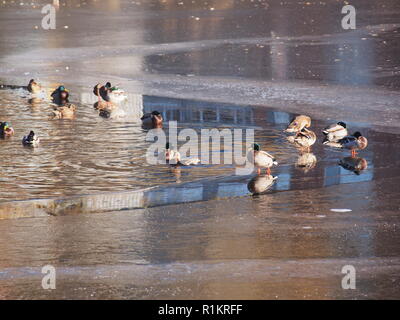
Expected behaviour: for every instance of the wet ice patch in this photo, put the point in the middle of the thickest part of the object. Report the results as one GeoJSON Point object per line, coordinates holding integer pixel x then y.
{"type": "Point", "coordinates": [341, 210]}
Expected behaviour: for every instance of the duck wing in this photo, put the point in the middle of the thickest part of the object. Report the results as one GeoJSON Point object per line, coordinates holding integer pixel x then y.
{"type": "Point", "coordinates": [146, 116]}
{"type": "Point", "coordinates": [332, 128]}
{"type": "Point", "coordinates": [267, 154]}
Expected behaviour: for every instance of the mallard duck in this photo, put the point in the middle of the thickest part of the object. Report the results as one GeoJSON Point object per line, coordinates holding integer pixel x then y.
{"type": "Point", "coordinates": [153, 119]}
{"type": "Point", "coordinates": [31, 140]}
{"type": "Point", "coordinates": [102, 91]}
{"type": "Point", "coordinates": [65, 112]}
{"type": "Point", "coordinates": [173, 157]}
{"type": "Point", "coordinates": [109, 93]}
{"type": "Point", "coordinates": [335, 131]}
{"type": "Point", "coordinates": [299, 123]}
{"type": "Point", "coordinates": [6, 130]}
{"type": "Point", "coordinates": [260, 184]}
{"type": "Point", "coordinates": [261, 159]}
{"type": "Point", "coordinates": [104, 106]}
{"type": "Point", "coordinates": [306, 161]}
{"type": "Point", "coordinates": [354, 164]}
{"type": "Point", "coordinates": [354, 142]}
{"type": "Point", "coordinates": [34, 87]}
{"type": "Point", "coordinates": [60, 95]}
{"type": "Point", "coordinates": [304, 138]}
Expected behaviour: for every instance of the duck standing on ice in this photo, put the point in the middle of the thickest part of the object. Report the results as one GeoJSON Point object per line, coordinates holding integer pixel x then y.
{"type": "Point", "coordinates": [261, 159]}
{"type": "Point", "coordinates": [353, 143]}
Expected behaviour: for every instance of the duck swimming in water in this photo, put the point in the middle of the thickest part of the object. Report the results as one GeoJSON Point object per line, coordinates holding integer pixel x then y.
{"type": "Point", "coordinates": [34, 87]}
{"type": "Point", "coordinates": [152, 120]}
{"type": "Point", "coordinates": [104, 106]}
{"type": "Point", "coordinates": [60, 95]}
{"type": "Point", "coordinates": [109, 93]}
{"type": "Point", "coordinates": [102, 91]}
{"type": "Point", "coordinates": [335, 131]}
{"type": "Point", "coordinates": [31, 140]}
{"type": "Point", "coordinates": [354, 142]}
{"type": "Point", "coordinates": [261, 159]}
{"type": "Point", "coordinates": [299, 123]}
{"type": "Point", "coordinates": [173, 157]}
{"type": "Point", "coordinates": [6, 130]}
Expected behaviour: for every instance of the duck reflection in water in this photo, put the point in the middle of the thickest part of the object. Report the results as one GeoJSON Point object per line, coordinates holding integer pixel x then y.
{"type": "Point", "coordinates": [34, 101]}
{"type": "Point", "coordinates": [306, 161]}
{"type": "Point", "coordinates": [177, 172]}
{"type": "Point", "coordinates": [260, 184]}
{"type": "Point", "coordinates": [354, 164]}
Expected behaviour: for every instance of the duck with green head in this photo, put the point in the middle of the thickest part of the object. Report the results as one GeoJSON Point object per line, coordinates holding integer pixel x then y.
{"type": "Point", "coordinates": [110, 93]}
{"type": "Point", "coordinates": [6, 130]}
{"type": "Point", "coordinates": [60, 95]}
{"type": "Point", "coordinates": [261, 159]}
{"type": "Point", "coordinates": [103, 104]}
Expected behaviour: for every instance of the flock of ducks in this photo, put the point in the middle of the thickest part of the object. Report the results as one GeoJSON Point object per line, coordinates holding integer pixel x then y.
{"type": "Point", "coordinates": [336, 135]}
{"type": "Point", "coordinates": [109, 98]}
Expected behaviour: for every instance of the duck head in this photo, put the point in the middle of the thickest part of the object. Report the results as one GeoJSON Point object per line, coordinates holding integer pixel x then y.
{"type": "Point", "coordinates": [157, 119]}
{"type": "Point", "coordinates": [256, 147]}
{"type": "Point", "coordinates": [33, 86]}
{"type": "Point", "coordinates": [60, 93]}
{"type": "Point", "coordinates": [31, 136]}
{"type": "Point", "coordinates": [340, 123]}
{"type": "Point", "coordinates": [6, 129]}
{"type": "Point", "coordinates": [298, 123]}
{"type": "Point", "coordinates": [362, 141]}
{"type": "Point", "coordinates": [357, 134]}
{"type": "Point", "coordinates": [63, 93]}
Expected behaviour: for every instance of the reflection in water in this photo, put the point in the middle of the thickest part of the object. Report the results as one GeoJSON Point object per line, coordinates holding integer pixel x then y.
{"type": "Point", "coordinates": [306, 161]}
{"type": "Point", "coordinates": [354, 164]}
{"type": "Point", "coordinates": [260, 183]}
{"type": "Point", "coordinates": [279, 245]}
{"type": "Point", "coordinates": [90, 155]}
